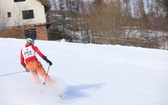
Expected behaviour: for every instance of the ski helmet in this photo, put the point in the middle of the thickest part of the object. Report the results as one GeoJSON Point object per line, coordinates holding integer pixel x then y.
{"type": "Point", "coordinates": [29, 40]}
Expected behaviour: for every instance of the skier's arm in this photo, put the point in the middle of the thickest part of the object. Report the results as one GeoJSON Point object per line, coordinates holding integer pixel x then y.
{"type": "Point", "coordinates": [38, 51]}
{"type": "Point", "coordinates": [41, 55]}
{"type": "Point", "coordinates": [22, 61]}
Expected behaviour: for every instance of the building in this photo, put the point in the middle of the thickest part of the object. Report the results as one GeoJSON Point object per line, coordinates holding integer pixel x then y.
{"type": "Point", "coordinates": [24, 18]}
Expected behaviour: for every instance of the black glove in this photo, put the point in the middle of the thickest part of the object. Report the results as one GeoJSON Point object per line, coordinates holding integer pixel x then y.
{"type": "Point", "coordinates": [48, 61]}
{"type": "Point", "coordinates": [25, 68]}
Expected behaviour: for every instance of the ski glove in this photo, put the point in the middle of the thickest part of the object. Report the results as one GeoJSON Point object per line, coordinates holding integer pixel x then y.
{"type": "Point", "coordinates": [48, 61]}
{"type": "Point", "coordinates": [25, 68]}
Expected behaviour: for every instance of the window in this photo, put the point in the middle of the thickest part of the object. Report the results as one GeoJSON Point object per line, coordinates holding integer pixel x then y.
{"type": "Point", "coordinates": [31, 33]}
{"type": "Point", "coordinates": [18, 0]}
{"type": "Point", "coordinates": [9, 14]}
{"type": "Point", "coordinates": [28, 14]}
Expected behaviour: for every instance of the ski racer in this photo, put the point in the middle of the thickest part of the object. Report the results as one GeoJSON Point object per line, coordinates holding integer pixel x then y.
{"type": "Point", "coordinates": [30, 62]}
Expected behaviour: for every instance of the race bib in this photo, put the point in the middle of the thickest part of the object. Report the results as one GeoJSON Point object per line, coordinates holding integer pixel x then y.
{"type": "Point", "coordinates": [28, 52]}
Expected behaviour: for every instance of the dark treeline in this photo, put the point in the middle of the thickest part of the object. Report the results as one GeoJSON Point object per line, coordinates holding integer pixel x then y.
{"type": "Point", "coordinates": [125, 22]}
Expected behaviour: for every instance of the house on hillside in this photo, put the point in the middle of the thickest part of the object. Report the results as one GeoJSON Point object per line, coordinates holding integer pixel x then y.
{"type": "Point", "coordinates": [24, 18]}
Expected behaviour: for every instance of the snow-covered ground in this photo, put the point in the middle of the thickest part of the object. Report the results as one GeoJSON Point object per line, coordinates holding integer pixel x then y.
{"type": "Point", "coordinates": [86, 74]}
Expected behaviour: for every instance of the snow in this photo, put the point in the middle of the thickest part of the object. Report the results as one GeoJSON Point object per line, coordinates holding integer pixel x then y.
{"type": "Point", "coordinates": [86, 74]}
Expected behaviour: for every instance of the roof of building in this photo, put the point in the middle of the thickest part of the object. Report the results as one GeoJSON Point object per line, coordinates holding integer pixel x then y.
{"type": "Point", "coordinates": [46, 5]}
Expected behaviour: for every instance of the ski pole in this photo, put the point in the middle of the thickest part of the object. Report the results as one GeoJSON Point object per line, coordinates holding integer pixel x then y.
{"type": "Point", "coordinates": [12, 73]}
{"type": "Point", "coordinates": [46, 75]}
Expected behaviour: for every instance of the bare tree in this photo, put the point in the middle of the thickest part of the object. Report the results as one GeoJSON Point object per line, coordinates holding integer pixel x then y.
{"type": "Point", "coordinates": [107, 21]}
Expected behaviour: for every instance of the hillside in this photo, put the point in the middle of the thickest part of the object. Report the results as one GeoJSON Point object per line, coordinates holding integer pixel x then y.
{"type": "Point", "coordinates": [87, 74]}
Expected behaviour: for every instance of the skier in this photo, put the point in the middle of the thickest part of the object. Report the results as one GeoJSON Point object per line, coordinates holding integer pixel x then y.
{"type": "Point", "coordinates": [30, 62]}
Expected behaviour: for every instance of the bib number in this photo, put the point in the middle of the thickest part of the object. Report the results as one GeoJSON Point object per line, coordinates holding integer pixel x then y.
{"type": "Point", "coordinates": [28, 52]}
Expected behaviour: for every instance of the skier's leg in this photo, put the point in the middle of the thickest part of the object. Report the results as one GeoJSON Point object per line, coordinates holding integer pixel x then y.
{"type": "Point", "coordinates": [31, 66]}
{"type": "Point", "coordinates": [43, 74]}
{"type": "Point", "coordinates": [35, 76]}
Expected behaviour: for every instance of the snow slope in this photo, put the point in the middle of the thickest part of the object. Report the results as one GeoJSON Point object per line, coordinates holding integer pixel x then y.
{"type": "Point", "coordinates": [86, 74]}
